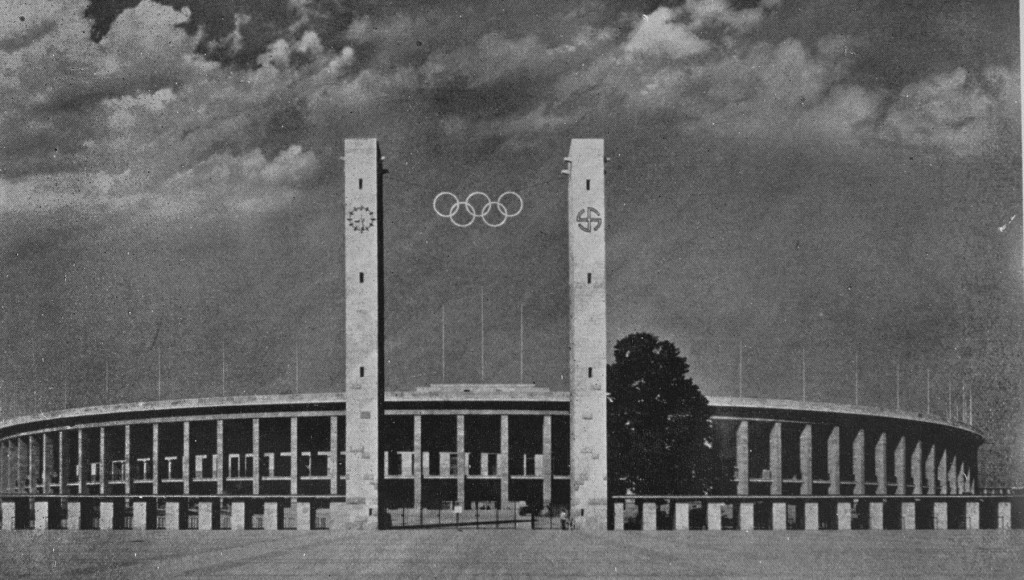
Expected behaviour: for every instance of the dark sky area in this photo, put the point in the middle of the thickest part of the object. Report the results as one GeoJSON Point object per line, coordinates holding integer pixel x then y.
{"type": "Point", "coordinates": [835, 184]}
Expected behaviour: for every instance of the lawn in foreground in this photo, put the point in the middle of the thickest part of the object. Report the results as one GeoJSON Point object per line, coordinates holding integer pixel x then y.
{"type": "Point", "coordinates": [128, 554]}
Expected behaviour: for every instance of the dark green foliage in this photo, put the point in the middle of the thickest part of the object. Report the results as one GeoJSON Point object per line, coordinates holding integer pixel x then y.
{"type": "Point", "coordinates": [659, 423]}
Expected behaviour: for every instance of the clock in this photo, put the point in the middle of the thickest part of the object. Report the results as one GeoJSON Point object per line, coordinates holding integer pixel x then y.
{"type": "Point", "coordinates": [361, 218]}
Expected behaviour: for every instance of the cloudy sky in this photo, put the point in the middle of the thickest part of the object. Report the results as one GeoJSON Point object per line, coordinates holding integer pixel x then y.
{"type": "Point", "coordinates": [833, 183]}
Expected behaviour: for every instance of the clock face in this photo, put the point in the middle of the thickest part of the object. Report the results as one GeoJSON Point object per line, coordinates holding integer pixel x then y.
{"type": "Point", "coordinates": [361, 218]}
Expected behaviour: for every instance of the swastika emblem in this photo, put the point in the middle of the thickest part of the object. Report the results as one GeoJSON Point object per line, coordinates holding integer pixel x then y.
{"type": "Point", "coordinates": [589, 220]}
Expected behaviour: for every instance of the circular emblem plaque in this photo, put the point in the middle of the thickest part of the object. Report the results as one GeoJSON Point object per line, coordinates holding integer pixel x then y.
{"type": "Point", "coordinates": [589, 220]}
{"type": "Point", "coordinates": [361, 218]}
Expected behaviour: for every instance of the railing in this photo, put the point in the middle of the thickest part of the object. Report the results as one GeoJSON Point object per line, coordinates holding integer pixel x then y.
{"type": "Point", "coordinates": [818, 512]}
{"type": "Point", "coordinates": [410, 518]}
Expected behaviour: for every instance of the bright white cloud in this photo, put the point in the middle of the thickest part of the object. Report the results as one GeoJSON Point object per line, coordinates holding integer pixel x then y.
{"type": "Point", "coordinates": [659, 34]}
{"type": "Point", "coordinates": [949, 110]}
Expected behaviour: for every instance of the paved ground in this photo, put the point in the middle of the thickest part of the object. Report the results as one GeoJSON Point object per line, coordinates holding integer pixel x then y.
{"type": "Point", "coordinates": [490, 553]}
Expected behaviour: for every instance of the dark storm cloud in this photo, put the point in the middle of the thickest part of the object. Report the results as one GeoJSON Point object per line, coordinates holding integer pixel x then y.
{"type": "Point", "coordinates": [799, 176]}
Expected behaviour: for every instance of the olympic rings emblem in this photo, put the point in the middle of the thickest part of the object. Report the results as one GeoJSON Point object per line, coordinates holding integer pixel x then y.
{"type": "Point", "coordinates": [478, 204]}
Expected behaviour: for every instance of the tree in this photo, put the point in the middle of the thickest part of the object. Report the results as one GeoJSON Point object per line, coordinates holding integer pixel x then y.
{"type": "Point", "coordinates": [659, 423]}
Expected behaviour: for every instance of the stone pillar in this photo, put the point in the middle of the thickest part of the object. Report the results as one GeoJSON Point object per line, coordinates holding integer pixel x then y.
{"type": "Point", "coordinates": [929, 471]}
{"type": "Point", "coordinates": [1004, 512]}
{"type": "Point", "coordinates": [460, 460]}
{"type": "Point", "coordinates": [338, 515]}
{"type": "Point", "coordinates": [74, 515]}
{"type": "Point", "coordinates": [238, 515]}
{"type": "Point", "coordinates": [899, 465]}
{"type": "Point", "coordinates": [218, 463]}
{"type": "Point", "coordinates": [103, 468]}
{"type": "Point", "coordinates": [806, 461]}
{"type": "Point", "coordinates": [588, 347]}
{"type": "Point", "coordinates": [915, 469]}
{"type": "Point", "coordinates": [5, 465]}
{"type": "Point", "coordinates": [33, 464]}
{"type": "Point", "coordinates": [503, 462]}
{"type": "Point", "coordinates": [881, 466]}
{"type": "Point", "coordinates": [775, 458]}
{"type": "Point", "coordinates": [108, 515]}
{"type": "Point", "coordinates": [10, 471]}
{"type": "Point", "coordinates": [940, 515]}
{"type": "Point", "coordinates": [973, 513]}
{"type": "Point", "coordinates": [46, 462]}
{"type": "Point", "coordinates": [257, 459]}
{"type": "Point", "coordinates": [682, 515]}
{"type": "Point", "coordinates": [417, 463]}
{"type": "Point", "coordinates": [19, 467]}
{"type": "Point", "coordinates": [172, 515]}
{"type": "Point", "coordinates": [746, 516]}
{"type": "Point", "coordinates": [81, 461]}
{"type": "Point", "coordinates": [778, 515]}
{"type": "Point", "coordinates": [876, 513]}
{"type": "Point", "coordinates": [294, 473]}
{"type": "Point", "coordinates": [951, 474]}
{"type": "Point", "coordinates": [42, 513]}
{"type": "Point", "coordinates": [206, 515]}
{"type": "Point", "coordinates": [908, 513]}
{"type": "Point", "coordinates": [8, 515]}
{"type": "Point", "coordinates": [126, 472]}
{"type": "Point", "coordinates": [304, 516]}
{"type": "Point", "coordinates": [812, 520]}
{"type": "Point", "coordinates": [332, 459]}
{"type": "Point", "coordinates": [619, 517]}
{"type": "Point", "coordinates": [155, 455]}
{"type": "Point", "coordinates": [743, 458]}
{"type": "Point", "coordinates": [271, 513]}
{"type": "Point", "coordinates": [546, 450]}
{"type": "Point", "coordinates": [364, 330]}
{"type": "Point", "coordinates": [62, 463]}
{"type": "Point", "coordinates": [186, 457]}
{"type": "Point", "coordinates": [714, 516]}
{"type": "Point", "coordinates": [834, 472]}
{"type": "Point", "coordinates": [844, 515]}
{"type": "Point", "coordinates": [649, 518]}
{"type": "Point", "coordinates": [140, 515]}
{"type": "Point", "coordinates": [941, 473]}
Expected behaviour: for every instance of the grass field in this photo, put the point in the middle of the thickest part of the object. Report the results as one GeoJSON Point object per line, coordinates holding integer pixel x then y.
{"type": "Point", "coordinates": [490, 553]}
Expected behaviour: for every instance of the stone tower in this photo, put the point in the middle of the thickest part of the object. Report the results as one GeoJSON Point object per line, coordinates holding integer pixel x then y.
{"type": "Point", "coordinates": [587, 335]}
{"type": "Point", "coordinates": [364, 331]}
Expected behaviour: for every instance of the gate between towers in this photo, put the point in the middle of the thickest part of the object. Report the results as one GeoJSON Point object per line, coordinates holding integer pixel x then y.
{"type": "Point", "coordinates": [481, 516]}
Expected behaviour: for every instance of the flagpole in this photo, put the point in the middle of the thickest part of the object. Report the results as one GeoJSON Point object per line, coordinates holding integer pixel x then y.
{"type": "Point", "coordinates": [481, 335]}
{"type": "Point", "coordinates": [223, 370]}
{"type": "Point", "coordinates": [928, 383]}
{"type": "Point", "coordinates": [897, 385]}
{"type": "Point", "coordinates": [856, 378]}
{"type": "Point", "coordinates": [442, 345]}
{"type": "Point", "coordinates": [521, 343]}
{"type": "Point", "coordinates": [741, 368]}
{"type": "Point", "coordinates": [803, 372]}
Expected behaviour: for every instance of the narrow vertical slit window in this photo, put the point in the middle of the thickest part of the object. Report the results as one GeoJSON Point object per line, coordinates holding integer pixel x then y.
{"type": "Point", "coordinates": [360, 277]}
{"type": "Point", "coordinates": [589, 277]}
{"type": "Point", "coordinates": [590, 372]}
{"type": "Point", "coordinates": [588, 185]}
{"type": "Point", "coordinates": [360, 183]}
{"type": "Point", "coordinates": [362, 371]}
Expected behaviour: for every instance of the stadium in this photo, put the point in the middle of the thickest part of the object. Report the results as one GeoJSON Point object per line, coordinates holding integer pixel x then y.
{"type": "Point", "coordinates": [474, 454]}
{"type": "Point", "coordinates": [502, 450]}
